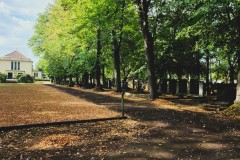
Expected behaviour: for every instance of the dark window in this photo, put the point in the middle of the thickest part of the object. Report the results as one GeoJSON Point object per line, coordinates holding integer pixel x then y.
{"type": "Point", "coordinates": [11, 65]}
{"type": "Point", "coordinates": [18, 65]}
{"type": "Point", "coordinates": [35, 74]}
{"type": "Point", "coordinates": [15, 67]}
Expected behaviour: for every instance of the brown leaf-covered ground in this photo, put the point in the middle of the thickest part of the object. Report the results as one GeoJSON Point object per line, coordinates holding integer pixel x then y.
{"type": "Point", "coordinates": [32, 103]}
{"type": "Point", "coordinates": [160, 129]}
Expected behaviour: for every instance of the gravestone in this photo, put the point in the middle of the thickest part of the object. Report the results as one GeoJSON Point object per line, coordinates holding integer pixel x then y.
{"type": "Point", "coordinates": [194, 86]}
{"type": "Point", "coordinates": [164, 86]}
{"type": "Point", "coordinates": [172, 86]}
{"type": "Point", "coordinates": [182, 85]}
{"type": "Point", "coordinates": [200, 89]}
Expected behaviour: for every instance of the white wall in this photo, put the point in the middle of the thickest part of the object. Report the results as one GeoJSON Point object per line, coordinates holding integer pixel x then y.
{"type": "Point", "coordinates": [5, 65]}
{"type": "Point", "coordinates": [40, 75]}
{"type": "Point", "coordinates": [25, 68]}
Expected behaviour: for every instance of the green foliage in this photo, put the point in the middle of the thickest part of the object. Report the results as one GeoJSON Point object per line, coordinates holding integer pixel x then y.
{"type": "Point", "coordinates": [3, 77]}
{"type": "Point", "coordinates": [183, 32]}
{"type": "Point", "coordinates": [18, 77]}
{"type": "Point", "coordinates": [65, 37]}
{"type": "Point", "coordinates": [39, 79]}
{"type": "Point", "coordinates": [26, 79]}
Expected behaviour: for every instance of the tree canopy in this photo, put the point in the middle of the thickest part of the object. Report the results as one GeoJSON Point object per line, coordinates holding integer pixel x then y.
{"type": "Point", "coordinates": [143, 39]}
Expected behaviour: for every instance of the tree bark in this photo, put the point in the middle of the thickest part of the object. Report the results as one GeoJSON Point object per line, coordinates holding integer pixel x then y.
{"type": "Point", "coordinates": [85, 79]}
{"type": "Point", "coordinates": [231, 74]}
{"type": "Point", "coordinates": [103, 76]}
{"type": "Point", "coordinates": [116, 50]}
{"type": "Point", "coordinates": [98, 66]}
{"type": "Point", "coordinates": [207, 74]}
{"type": "Point", "coordinates": [237, 100]}
{"type": "Point", "coordinates": [70, 84]}
{"type": "Point", "coordinates": [143, 8]}
{"type": "Point", "coordinates": [231, 67]}
{"type": "Point", "coordinates": [77, 80]}
{"type": "Point", "coordinates": [116, 57]}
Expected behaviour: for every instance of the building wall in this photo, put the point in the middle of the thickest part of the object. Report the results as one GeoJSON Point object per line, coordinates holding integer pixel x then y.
{"type": "Point", "coordinates": [25, 68]}
{"type": "Point", "coordinates": [37, 74]}
{"type": "Point", "coordinates": [5, 65]}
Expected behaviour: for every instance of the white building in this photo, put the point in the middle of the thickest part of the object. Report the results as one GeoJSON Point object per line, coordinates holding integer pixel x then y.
{"type": "Point", "coordinates": [16, 63]}
{"type": "Point", "coordinates": [37, 74]}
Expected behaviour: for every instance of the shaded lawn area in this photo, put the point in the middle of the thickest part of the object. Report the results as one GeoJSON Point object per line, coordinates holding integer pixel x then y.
{"type": "Point", "coordinates": [152, 131]}
{"type": "Point", "coordinates": [34, 103]}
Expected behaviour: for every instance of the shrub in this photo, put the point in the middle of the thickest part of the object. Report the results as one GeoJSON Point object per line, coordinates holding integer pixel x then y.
{"type": "Point", "coordinates": [3, 77]}
{"type": "Point", "coordinates": [26, 79]}
{"type": "Point", "coordinates": [39, 79]}
{"type": "Point", "coordinates": [18, 77]}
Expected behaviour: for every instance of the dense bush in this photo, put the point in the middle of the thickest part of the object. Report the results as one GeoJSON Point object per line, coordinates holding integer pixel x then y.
{"type": "Point", "coordinates": [25, 79]}
{"type": "Point", "coordinates": [3, 77]}
{"type": "Point", "coordinates": [18, 77]}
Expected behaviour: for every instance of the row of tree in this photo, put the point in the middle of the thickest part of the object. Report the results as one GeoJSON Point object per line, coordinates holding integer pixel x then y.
{"type": "Point", "coordinates": [148, 39]}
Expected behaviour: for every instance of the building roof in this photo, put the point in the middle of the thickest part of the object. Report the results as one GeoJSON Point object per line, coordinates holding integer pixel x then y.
{"type": "Point", "coordinates": [16, 55]}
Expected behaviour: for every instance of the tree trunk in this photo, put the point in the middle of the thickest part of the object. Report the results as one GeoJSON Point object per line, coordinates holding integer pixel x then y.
{"type": "Point", "coordinates": [116, 50]}
{"type": "Point", "coordinates": [231, 68]}
{"type": "Point", "coordinates": [103, 76]}
{"type": "Point", "coordinates": [231, 74]}
{"type": "Point", "coordinates": [198, 66]}
{"type": "Point", "coordinates": [207, 74]}
{"type": "Point", "coordinates": [133, 83]}
{"type": "Point", "coordinates": [237, 100]}
{"type": "Point", "coordinates": [98, 66]}
{"type": "Point", "coordinates": [70, 83]}
{"type": "Point", "coordinates": [77, 80]}
{"type": "Point", "coordinates": [85, 79]}
{"type": "Point", "coordinates": [116, 57]}
{"type": "Point", "coordinates": [143, 8]}
{"type": "Point", "coordinates": [64, 79]}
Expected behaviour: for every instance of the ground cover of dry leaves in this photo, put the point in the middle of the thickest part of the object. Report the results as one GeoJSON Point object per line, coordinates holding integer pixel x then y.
{"type": "Point", "coordinates": [31, 103]}
{"type": "Point", "coordinates": [160, 129]}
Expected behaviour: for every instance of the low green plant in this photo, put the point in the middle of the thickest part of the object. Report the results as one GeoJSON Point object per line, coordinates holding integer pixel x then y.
{"type": "Point", "coordinates": [3, 77]}
{"type": "Point", "coordinates": [39, 79]}
{"type": "Point", "coordinates": [26, 79]}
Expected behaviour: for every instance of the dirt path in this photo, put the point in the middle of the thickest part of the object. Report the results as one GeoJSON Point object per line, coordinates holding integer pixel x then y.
{"type": "Point", "coordinates": [150, 132]}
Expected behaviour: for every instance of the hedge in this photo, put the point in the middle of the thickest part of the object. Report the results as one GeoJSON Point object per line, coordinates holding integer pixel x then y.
{"type": "Point", "coordinates": [3, 77]}
{"type": "Point", "coordinates": [25, 78]}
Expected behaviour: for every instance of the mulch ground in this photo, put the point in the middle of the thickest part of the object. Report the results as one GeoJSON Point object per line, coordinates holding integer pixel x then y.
{"type": "Point", "coordinates": [160, 129]}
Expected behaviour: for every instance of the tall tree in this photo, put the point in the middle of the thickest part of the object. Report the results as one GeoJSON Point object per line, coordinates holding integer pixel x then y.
{"type": "Point", "coordinates": [117, 42]}
{"type": "Point", "coordinates": [143, 10]}
{"type": "Point", "coordinates": [98, 65]}
{"type": "Point", "coordinates": [237, 22]}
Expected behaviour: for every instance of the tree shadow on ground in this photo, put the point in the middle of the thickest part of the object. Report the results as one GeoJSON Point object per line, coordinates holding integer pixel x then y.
{"type": "Point", "coordinates": [146, 111]}
{"type": "Point", "coordinates": [169, 134]}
